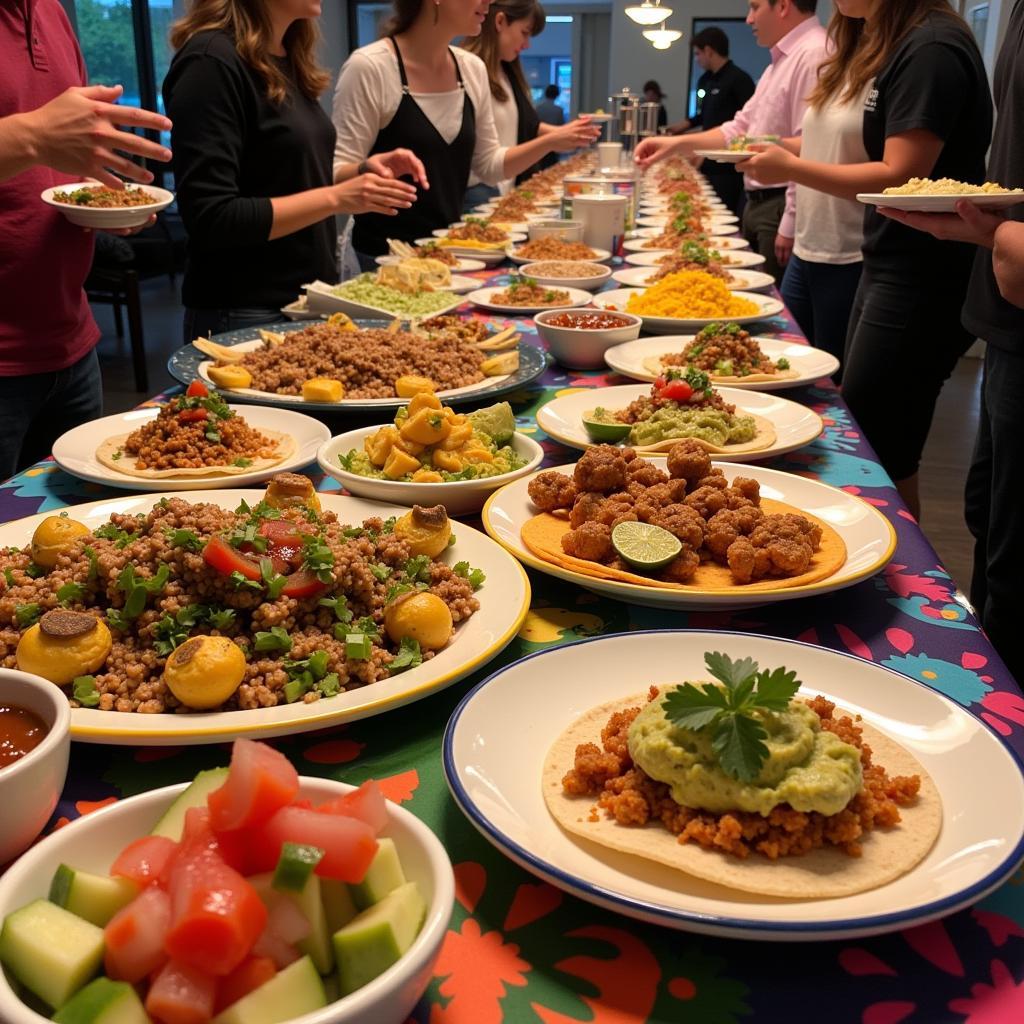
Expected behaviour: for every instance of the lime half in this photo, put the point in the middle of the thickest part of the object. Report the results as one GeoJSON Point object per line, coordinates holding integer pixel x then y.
{"type": "Point", "coordinates": [645, 546]}
{"type": "Point", "coordinates": [600, 429]}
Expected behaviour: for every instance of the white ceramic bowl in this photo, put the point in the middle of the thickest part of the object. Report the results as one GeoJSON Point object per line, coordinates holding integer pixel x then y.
{"type": "Point", "coordinates": [587, 283]}
{"type": "Point", "coordinates": [564, 230]}
{"type": "Point", "coordinates": [91, 843]}
{"type": "Point", "coordinates": [109, 216]}
{"type": "Point", "coordinates": [31, 786]}
{"type": "Point", "coordinates": [460, 497]}
{"type": "Point", "coordinates": [581, 349]}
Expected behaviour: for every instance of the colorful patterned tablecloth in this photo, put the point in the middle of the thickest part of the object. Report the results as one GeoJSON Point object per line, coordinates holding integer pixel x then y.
{"type": "Point", "coordinates": [519, 950]}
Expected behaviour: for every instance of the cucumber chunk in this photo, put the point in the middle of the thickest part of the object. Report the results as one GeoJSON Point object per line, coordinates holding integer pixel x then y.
{"type": "Point", "coordinates": [50, 951]}
{"type": "Point", "coordinates": [384, 875]}
{"type": "Point", "coordinates": [295, 866]}
{"type": "Point", "coordinates": [317, 944]}
{"type": "Point", "coordinates": [97, 898]}
{"type": "Point", "coordinates": [338, 905]}
{"type": "Point", "coordinates": [378, 937]}
{"type": "Point", "coordinates": [173, 821]}
{"type": "Point", "coordinates": [103, 1001]}
{"type": "Point", "coordinates": [290, 993]}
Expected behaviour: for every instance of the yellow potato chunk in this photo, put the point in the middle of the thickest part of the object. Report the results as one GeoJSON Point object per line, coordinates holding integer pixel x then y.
{"type": "Point", "coordinates": [453, 417]}
{"type": "Point", "coordinates": [410, 385]}
{"type": "Point", "coordinates": [461, 434]}
{"type": "Point", "coordinates": [427, 476]}
{"type": "Point", "coordinates": [378, 446]}
{"type": "Point", "coordinates": [399, 464]}
{"type": "Point", "coordinates": [424, 400]}
{"type": "Point", "coordinates": [427, 426]}
{"type": "Point", "coordinates": [423, 617]}
{"type": "Point", "coordinates": [448, 461]}
{"type": "Point", "coordinates": [63, 645]}
{"type": "Point", "coordinates": [323, 389]}
{"type": "Point", "coordinates": [425, 530]}
{"type": "Point", "coordinates": [54, 536]}
{"type": "Point", "coordinates": [230, 376]}
{"type": "Point", "coordinates": [476, 455]}
{"type": "Point", "coordinates": [205, 671]}
{"type": "Point", "coordinates": [291, 490]}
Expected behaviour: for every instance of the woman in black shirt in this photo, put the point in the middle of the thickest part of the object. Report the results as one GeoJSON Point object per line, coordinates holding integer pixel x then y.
{"type": "Point", "coordinates": [928, 113]}
{"type": "Point", "coordinates": [252, 161]}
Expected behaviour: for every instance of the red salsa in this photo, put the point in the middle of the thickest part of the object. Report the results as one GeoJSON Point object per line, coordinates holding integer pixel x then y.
{"type": "Point", "coordinates": [587, 321]}
{"type": "Point", "coordinates": [21, 730]}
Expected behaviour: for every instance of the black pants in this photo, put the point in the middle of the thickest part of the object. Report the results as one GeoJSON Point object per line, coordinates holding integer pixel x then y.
{"type": "Point", "coordinates": [202, 323]}
{"type": "Point", "coordinates": [760, 224]}
{"type": "Point", "coordinates": [991, 505]}
{"type": "Point", "coordinates": [728, 186]}
{"type": "Point", "coordinates": [904, 340]}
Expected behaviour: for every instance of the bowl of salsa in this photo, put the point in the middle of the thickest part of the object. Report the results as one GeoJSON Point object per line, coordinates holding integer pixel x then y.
{"type": "Point", "coordinates": [579, 338]}
{"type": "Point", "coordinates": [35, 739]}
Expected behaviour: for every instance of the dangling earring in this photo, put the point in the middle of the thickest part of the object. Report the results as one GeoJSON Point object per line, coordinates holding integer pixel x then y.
{"type": "Point", "coordinates": [437, 10]}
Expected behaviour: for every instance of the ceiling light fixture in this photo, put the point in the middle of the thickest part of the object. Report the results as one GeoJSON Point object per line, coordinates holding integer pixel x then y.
{"type": "Point", "coordinates": [648, 13]}
{"type": "Point", "coordinates": [662, 38]}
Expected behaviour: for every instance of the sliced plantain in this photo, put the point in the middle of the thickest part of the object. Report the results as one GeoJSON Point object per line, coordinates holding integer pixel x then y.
{"type": "Point", "coordinates": [496, 366]}
{"type": "Point", "coordinates": [222, 353]}
{"type": "Point", "coordinates": [271, 339]}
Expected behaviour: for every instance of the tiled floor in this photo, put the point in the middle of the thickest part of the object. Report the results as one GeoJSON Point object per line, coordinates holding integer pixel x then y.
{"type": "Point", "coordinates": [945, 462]}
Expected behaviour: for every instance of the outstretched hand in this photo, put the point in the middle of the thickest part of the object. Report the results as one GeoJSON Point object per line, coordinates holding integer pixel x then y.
{"type": "Point", "coordinates": [970, 223]}
{"type": "Point", "coordinates": [396, 163]}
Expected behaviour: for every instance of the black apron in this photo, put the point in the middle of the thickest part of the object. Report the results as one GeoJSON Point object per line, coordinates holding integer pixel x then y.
{"type": "Point", "coordinates": [527, 122]}
{"type": "Point", "coordinates": [447, 165]}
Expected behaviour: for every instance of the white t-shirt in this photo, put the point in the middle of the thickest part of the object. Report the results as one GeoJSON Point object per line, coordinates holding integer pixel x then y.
{"type": "Point", "coordinates": [506, 120]}
{"type": "Point", "coordinates": [368, 93]}
{"type": "Point", "coordinates": [829, 229]}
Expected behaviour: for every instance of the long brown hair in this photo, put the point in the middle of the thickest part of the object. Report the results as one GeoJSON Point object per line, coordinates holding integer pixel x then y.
{"type": "Point", "coordinates": [485, 45]}
{"type": "Point", "coordinates": [405, 13]}
{"type": "Point", "coordinates": [862, 49]}
{"type": "Point", "coordinates": [248, 23]}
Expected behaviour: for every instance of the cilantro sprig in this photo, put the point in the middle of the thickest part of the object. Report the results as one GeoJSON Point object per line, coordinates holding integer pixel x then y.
{"type": "Point", "coordinates": [728, 711]}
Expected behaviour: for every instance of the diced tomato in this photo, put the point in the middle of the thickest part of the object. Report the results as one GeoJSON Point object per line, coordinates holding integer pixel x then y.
{"type": "Point", "coordinates": [220, 555]}
{"type": "Point", "coordinates": [216, 915]}
{"type": "Point", "coordinates": [260, 781]}
{"type": "Point", "coordinates": [676, 391]}
{"type": "Point", "coordinates": [145, 861]}
{"type": "Point", "coordinates": [231, 846]}
{"type": "Point", "coordinates": [193, 415]}
{"type": "Point", "coordinates": [285, 543]}
{"type": "Point", "coordinates": [348, 843]}
{"type": "Point", "coordinates": [134, 937]}
{"type": "Point", "coordinates": [367, 803]}
{"type": "Point", "coordinates": [197, 389]}
{"type": "Point", "coordinates": [303, 584]}
{"type": "Point", "coordinates": [182, 994]}
{"type": "Point", "coordinates": [252, 972]}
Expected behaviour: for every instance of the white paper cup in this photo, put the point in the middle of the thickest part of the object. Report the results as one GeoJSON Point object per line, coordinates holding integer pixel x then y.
{"type": "Point", "coordinates": [563, 230]}
{"type": "Point", "coordinates": [609, 154]}
{"type": "Point", "coordinates": [604, 219]}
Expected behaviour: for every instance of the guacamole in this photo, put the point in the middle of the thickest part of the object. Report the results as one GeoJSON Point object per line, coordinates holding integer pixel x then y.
{"type": "Point", "coordinates": [672, 421]}
{"type": "Point", "coordinates": [807, 767]}
{"type": "Point", "coordinates": [505, 459]}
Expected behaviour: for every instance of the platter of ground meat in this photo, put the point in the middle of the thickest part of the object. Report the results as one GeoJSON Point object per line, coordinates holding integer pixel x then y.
{"type": "Point", "coordinates": [195, 618]}
{"type": "Point", "coordinates": [364, 359]}
{"type": "Point", "coordinates": [592, 823]}
{"type": "Point", "coordinates": [748, 536]}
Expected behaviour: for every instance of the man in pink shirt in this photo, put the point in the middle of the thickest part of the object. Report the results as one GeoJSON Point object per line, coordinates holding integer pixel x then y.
{"type": "Point", "coordinates": [54, 130]}
{"type": "Point", "coordinates": [790, 28]}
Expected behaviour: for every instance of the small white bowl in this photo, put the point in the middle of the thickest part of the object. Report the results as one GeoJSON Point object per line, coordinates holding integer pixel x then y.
{"type": "Point", "coordinates": [564, 230]}
{"type": "Point", "coordinates": [588, 283]}
{"type": "Point", "coordinates": [459, 497]}
{"type": "Point", "coordinates": [91, 843]}
{"type": "Point", "coordinates": [31, 786]}
{"type": "Point", "coordinates": [109, 216]}
{"type": "Point", "coordinates": [581, 349]}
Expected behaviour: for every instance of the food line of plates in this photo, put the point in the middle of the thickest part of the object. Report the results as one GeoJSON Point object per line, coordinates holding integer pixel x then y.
{"type": "Point", "coordinates": [345, 607]}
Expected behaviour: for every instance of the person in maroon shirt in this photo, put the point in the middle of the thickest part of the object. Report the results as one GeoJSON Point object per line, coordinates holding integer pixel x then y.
{"type": "Point", "coordinates": [54, 130]}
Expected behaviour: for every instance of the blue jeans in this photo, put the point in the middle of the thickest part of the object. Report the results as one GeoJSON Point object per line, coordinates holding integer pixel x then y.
{"type": "Point", "coordinates": [37, 408]}
{"type": "Point", "coordinates": [477, 194]}
{"type": "Point", "coordinates": [820, 297]}
{"type": "Point", "coordinates": [201, 323]}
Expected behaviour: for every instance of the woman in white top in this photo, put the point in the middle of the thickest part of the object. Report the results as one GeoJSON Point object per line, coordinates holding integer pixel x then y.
{"type": "Point", "coordinates": [822, 276]}
{"type": "Point", "coordinates": [506, 33]}
{"type": "Point", "coordinates": [412, 90]}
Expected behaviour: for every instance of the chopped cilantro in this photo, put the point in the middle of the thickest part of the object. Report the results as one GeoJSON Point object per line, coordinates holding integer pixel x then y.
{"type": "Point", "coordinates": [26, 614]}
{"type": "Point", "coordinates": [70, 592]}
{"type": "Point", "coordinates": [782, 364]}
{"type": "Point", "coordinates": [111, 531]}
{"type": "Point", "coordinates": [476, 577]}
{"type": "Point", "coordinates": [358, 646]}
{"type": "Point", "coordinates": [187, 539]}
{"type": "Point", "coordinates": [330, 685]}
{"type": "Point", "coordinates": [117, 455]}
{"type": "Point", "coordinates": [318, 558]}
{"type": "Point", "coordinates": [240, 580]}
{"type": "Point", "coordinates": [93, 562]}
{"type": "Point", "coordinates": [380, 571]}
{"type": "Point", "coordinates": [408, 656]}
{"type": "Point", "coordinates": [242, 463]}
{"type": "Point", "coordinates": [34, 571]}
{"type": "Point", "coordinates": [274, 639]}
{"type": "Point", "coordinates": [9, 577]}
{"type": "Point", "coordinates": [274, 580]}
{"type": "Point", "coordinates": [85, 691]}
{"type": "Point", "coordinates": [340, 605]}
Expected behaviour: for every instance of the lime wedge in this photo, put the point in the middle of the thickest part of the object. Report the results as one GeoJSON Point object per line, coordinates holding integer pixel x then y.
{"type": "Point", "coordinates": [496, 421]}
{"type": "Point", "coordinates": [645, 546]}
{"type": "Point", "coordinates": [604, 430]}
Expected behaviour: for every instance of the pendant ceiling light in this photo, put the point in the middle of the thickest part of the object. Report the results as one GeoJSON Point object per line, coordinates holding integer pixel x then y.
{"type": "Point", "coordinates": [662, 38]}
{"type": "Point", "coordinates": [650, 12]}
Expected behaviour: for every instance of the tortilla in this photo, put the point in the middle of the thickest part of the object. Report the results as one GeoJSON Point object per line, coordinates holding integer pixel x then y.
{"type": "Point", "coordinates": [823, 873]}
{"type": "Point", "coordinates": [763, 438]}
{"type": "Point", "coordinates": [543, 536]}
{"type": "Point", "coordinates": [126, 463]}
{"type": "Point", "coordinates": [654, 364]}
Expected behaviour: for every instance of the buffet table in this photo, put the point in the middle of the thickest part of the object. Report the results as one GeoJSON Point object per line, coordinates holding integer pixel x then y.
{"type": "Point", "coordinates": [520, 950]}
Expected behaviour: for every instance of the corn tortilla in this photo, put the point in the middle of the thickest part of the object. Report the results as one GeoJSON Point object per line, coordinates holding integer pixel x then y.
{"type": "Point", "coordinates": [654, 364]}
{"type": "Point", "coordinates": [824, 873]}
{"type": "Point", "coordinates": [543, 536]}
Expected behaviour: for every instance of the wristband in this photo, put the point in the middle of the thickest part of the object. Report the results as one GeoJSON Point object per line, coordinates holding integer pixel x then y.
{"type": "Point", "coordinates": [363, 168]}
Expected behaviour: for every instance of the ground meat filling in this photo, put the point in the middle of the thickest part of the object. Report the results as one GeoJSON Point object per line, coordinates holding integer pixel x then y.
{"type": "Point", "coordinates": [624, 792]}
{"type": "Point", "coordinates": [733, 346]}
{"type": "Point", "coordinates": [366, 362]}
{"type": "Point", "coordinates": [524, 293]}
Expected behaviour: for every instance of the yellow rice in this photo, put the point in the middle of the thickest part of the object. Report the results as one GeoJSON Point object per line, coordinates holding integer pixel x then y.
{"type": "Point", "coordinates": [691, 295]}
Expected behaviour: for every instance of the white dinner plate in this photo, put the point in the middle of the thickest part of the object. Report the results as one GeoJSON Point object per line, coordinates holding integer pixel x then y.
{"type": "Point", "coordinates": [943, 203]}
{"type": "Point", "coordinates": [721, 242]}
{"type": "Point", "coordinates": [75, 451]}
{"type": "Point", "coordinates": [733, 257]}
{"type": "Point", "coordinates": [870, 541]}
{"type": "Point", "coordinates": [462, 266]}
{"type": "Point", "coordinates": [499, 736]}
{"type": "Point", "coordinates": [767, 307]}
{"type": "Point", "coordinates": [504, 600]}
{"type": "Point", "coordinates": [725, 156]}
{"type": "Point", "coordinates": [600, 255]}
{"type": "Point", "coordinates": [725, 222]}
{"type": "Point", "coordinates": [482, 298]}
{"type": "Point", "coordinates": [810, 364]}
{"type": "Point", "coordinates": [714, 229]}
{"type": "Point", "coordinates": [740, 280]}
{"type": "Point", "coordinates": [795, 425]}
